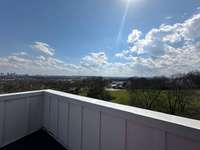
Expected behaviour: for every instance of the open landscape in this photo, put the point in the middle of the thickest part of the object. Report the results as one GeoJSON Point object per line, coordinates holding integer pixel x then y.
{"type": "Point", "coordinates": [161, 102]}
{"type": "Point", "coordinates": [176, 95]}
{"type": "Point", "coordinates": [100, 74]}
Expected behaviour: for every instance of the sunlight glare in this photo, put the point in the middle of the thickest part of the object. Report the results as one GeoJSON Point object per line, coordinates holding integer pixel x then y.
{"type": "Point", "coordinates": [128, 4]}
{"type": "Point", "coordinates": [131, 1]}
{"type": "Point", "coordinates": [122, 22]}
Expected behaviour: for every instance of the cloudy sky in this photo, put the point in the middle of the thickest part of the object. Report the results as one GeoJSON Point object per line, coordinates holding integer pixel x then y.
{"type": "Point", "coordinates": [100, 37]}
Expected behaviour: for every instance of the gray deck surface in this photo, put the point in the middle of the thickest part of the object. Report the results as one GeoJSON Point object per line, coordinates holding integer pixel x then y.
{"type": "Point", "coordinates": [36, 141]}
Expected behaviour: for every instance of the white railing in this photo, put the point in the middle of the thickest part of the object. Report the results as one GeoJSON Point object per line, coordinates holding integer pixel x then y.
{"type": "Point", "coordinates": [20, 115]}
{"type": "Point", "coordinates": [81, 123]}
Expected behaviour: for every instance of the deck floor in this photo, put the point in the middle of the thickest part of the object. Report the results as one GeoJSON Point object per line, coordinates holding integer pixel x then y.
{"type": "Point", "coordinates": [36, 141]}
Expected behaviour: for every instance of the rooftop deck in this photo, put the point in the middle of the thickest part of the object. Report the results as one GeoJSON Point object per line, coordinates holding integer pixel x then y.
{"type": "Point", "coordinates": [81, 123]}
{"type": "Point", "coordinates": [37, 140]}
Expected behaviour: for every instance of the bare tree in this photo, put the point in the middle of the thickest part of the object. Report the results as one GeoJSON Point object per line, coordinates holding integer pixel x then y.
{"type": "Point", "coordinates": [179, 95]}
{"type": "Point", "coordinates": [150, 98]}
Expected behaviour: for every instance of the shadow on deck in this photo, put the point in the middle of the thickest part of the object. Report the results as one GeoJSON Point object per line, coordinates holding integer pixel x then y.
{"type": "Point", "coordinates": [35, 141]}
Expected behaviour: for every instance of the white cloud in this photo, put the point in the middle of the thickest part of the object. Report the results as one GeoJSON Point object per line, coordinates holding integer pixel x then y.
{"type": "Point", "coordinates": [36, 65]}
{"type": "Point", "coordinates": [158, 40]}
{"type": "Point", "coordinates": [122, 54]}
{"type": "Point", "coordinates": [191, 27]}
{"type": "Point", "coordinates": [168, 17]}
{"type": "Point", "coordinates": [168, 49]}
{"type": "Point", "coordinates": [134, 36]}
{"type": "Point", "coordinates": [165, 50]}
{"type": "Point", "coordinates": [18, 59]}
{"type": "Point", "coordinates": [20, 54]}
{"type": "Point", "coordinates": [44, 48]}
{"type": "Point", "coordinates": [93, 64]}
{"type": "Point", "coordinates": [41, 57]}
{"type": "Point", "coordinates": [95, 58]}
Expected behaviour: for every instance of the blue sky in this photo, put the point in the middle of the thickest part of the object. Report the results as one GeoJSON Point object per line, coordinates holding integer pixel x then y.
{"type": "Point", "coordinates": [99, 37]}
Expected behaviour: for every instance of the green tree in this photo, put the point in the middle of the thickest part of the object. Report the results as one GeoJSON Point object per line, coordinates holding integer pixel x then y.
{"type": "Point", "coordinates": [96, 89]}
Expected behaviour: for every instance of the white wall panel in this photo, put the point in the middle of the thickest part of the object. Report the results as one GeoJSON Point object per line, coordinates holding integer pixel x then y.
{"type": "Point", "coordinates": [91, 127]}
{"type": "Point", "coordinates": [63, 121]}
{"type": "Point", "coordinates": [16, 121]}
{"type": "Point", "coordinates": [75, 127]}
{"type": "Point", "coordinates": [140, 137]}
{"type": "Point", "coordinates": [1, 122]}
{"type": "Point", "coordinates": [112, 133]}
{"type": "Point", "coordinates": [46, 111]}
{"type": "Point", "coordinates": [35, 111]}
{"type": "Point", "coordinates": [78, 123]}
{"type": "Point", "coordinates": [54, 115]}
{"type": "Point", "coordinates": [181, 143]}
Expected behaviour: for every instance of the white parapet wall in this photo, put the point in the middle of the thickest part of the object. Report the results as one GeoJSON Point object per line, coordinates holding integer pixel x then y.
{"type": "Point", "coordinates": [20, 115]}
{"type": "Point", "coordinates": [81, 123]}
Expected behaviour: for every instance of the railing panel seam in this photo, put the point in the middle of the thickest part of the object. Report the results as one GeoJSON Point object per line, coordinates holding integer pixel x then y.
{"type": "Point", "coordinates": [126, 128]}
{"type": "Point", "coordinates": [4, 124]}
{"type": "Point", "coordinates": [57, 123]}
{"type": "Point", "coordinates": [100, 129]}
{"type": "Point", "coordinates": [68, 126]}
{"type": "Point", "coordinates": [166, 148]}
{"type": "Point", "coordinates": [82, 109]}
{"type": "Point", "coordinates": [28, 114]}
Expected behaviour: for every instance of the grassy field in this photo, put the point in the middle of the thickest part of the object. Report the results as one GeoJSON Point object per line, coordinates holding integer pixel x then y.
{"type": "Point", "coordinates": [120, 96]}
{"type": "Point", "coordinates": [161, 104]}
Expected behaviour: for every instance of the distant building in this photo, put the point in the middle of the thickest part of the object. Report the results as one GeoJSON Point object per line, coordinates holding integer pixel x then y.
{"type": "Point", "coordinates": [117, 84]}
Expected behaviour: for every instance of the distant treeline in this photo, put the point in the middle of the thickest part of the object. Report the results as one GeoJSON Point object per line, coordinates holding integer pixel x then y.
{"type": "Point", "coordinates": [190, 80]}
{"type": "Point", "coordinates": [177, 95]}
